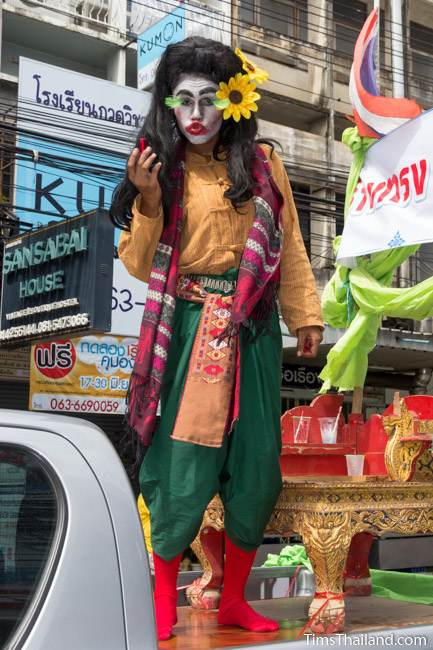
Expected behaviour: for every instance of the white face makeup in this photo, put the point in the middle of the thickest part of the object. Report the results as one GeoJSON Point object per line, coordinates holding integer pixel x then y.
{"type": "Point", "coordinates": [197, 117]}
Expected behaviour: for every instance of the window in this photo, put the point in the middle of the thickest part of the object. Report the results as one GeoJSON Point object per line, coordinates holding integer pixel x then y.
{"type": "Point", "coordinates": [28, 518]}
{"type": "Point", "coordinates": [349, 18]}
{"type": "Point", "coordinates": [421, 43]}
{"type": "Point", "coordinates": [285, 17]}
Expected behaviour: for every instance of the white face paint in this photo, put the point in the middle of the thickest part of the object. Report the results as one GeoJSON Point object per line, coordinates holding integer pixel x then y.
{"type": "Point", "coordinates": [197, 117]}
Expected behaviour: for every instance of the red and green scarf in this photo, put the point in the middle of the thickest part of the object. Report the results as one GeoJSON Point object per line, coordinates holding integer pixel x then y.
{"type": "Point", "coordinates": [258, 279]}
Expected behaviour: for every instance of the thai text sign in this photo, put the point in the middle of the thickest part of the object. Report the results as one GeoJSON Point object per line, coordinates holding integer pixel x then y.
{"type": "Point", "coordinates": [304, 377]}
{"type": "Point", "coordinates": [58, 279]}
{"type": "Point", "coordinates": [152, 43]}
{"type": "Point", "coordinates": [392, 205]}
{"type": "Point", "coordinates": [81, 375]}
{"type": "Point", "coordinates": [76, 132]}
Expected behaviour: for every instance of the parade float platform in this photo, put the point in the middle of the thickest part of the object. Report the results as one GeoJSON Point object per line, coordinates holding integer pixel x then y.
{"type": "Point", "coordinates": [338, 516]}
{"type": "Point", "coordinates": [198, 629]}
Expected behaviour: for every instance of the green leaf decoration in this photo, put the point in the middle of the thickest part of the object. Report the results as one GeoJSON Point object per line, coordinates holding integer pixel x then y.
{"type": "Point", "coordinates": [172, 102]}
{"type": "Point", "coordinates": [221, 103]}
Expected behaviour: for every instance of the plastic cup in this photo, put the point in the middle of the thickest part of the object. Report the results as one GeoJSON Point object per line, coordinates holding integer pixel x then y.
{"type": "Point", "coordinates": [328, 430]}
{"type": "Point", "coordinates": [355, 464]}
{"type": "Point", "coordinates": [301, 428]}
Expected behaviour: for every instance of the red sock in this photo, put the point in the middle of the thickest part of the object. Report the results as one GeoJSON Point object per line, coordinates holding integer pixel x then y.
{"type": "Point", "coordinates": [165, 594]}
{"type": "Point", "coordinates": [233, 609]}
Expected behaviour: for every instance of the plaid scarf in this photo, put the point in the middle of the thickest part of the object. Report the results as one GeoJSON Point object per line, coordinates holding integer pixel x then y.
{"type": "Point", "coordinates": [254, 299]}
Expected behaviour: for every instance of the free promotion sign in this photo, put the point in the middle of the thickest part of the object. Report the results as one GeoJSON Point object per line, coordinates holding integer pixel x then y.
{"type": "Point", "coordinates": [82, 375]}
{"type": "Point", "coordinates": [57, 280]}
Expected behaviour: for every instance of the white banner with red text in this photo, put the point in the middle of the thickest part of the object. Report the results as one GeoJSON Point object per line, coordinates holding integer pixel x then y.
{"type": "Point", "coordinates": [392, 205]}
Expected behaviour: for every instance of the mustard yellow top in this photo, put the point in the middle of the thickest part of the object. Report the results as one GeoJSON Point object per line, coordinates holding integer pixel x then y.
{"type": "Point", "coordinates": [214, 236]}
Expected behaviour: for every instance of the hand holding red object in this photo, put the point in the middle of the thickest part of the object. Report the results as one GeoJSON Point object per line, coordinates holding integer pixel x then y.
{"type": "Point", "coordinates": [309, 339]}
{"type": "Point", "coordinates": [143, 172]}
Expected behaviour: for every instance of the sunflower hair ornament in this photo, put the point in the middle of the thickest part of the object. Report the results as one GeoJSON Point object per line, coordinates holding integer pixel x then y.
{"type": "Point", "coordinates": [237, 98]}
{"type": "Point", "coordinates": [256, 74]}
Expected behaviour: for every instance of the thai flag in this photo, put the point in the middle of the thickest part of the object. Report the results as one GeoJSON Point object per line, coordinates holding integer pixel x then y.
{"type": "Point", "coordinates": [374, 115]}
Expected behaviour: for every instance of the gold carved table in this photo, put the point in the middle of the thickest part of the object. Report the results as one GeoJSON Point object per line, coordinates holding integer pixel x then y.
{"type": "Point", "coordinates": [328, 512]}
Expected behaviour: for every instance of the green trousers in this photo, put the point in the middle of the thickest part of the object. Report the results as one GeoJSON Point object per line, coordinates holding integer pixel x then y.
{"type": "Point", "coordinates": [178, 479]}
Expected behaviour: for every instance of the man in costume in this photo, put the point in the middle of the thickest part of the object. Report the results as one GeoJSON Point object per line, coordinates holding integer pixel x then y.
{"type": "Point", "coordinates": [211, 225]}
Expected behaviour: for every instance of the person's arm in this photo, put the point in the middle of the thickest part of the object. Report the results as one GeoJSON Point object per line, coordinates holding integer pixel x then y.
{"type": "Point", "coordinates": [137, 246]}
{"type": "Point", "coordinates": [298, 296]}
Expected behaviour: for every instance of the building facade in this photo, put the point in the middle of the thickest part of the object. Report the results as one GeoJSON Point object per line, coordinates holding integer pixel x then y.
{"type": "Point", "coordinates": [307, 47]}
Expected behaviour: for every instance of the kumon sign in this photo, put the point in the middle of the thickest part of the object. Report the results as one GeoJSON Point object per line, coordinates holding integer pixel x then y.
{"type": "Point", "coordinates": [58, 279]}
{"type": "Point", "coordinates": [392, 205]}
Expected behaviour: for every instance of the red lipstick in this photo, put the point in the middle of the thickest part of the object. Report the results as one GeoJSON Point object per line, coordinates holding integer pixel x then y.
{"type": "Point", "coordinates": [196, 128]}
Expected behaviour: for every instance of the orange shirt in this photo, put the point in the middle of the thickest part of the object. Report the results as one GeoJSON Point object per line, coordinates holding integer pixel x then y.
{"type": "Point", "coordinates": [214, 236]}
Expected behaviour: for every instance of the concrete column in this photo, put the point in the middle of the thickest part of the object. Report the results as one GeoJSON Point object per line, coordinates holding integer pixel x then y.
{"type": "Point", "coordinates": [322, 228]}
{"type": "Point", "coordinates": [318, 33]}
{"type": "Point", "coordinates": [116, 64]}
{"type": "Point", "coordinates": [116, 67]}
{"type": "Point", "coordinates": [322, 233]}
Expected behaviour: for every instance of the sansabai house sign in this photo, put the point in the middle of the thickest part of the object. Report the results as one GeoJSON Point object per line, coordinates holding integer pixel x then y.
{"type": "Point", "coordinates": [58, 280]}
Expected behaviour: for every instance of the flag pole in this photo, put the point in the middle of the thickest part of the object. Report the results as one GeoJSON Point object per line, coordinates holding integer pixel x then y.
{"type": "Point", "coordinates": [377, 48]}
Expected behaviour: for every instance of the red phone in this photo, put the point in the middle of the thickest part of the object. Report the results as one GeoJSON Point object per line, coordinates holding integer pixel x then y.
{"type": "Point", "coordinates": [142, 145]}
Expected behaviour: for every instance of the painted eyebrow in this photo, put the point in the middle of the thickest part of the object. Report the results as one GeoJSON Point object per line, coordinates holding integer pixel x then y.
{"type": "Point", "coordinates": [209, 89]}
{"type": "Point", "coordinates": [204, 91]}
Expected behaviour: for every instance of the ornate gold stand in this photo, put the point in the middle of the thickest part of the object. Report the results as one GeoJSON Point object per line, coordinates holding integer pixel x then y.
{"type": "Point", "coordinates": [328, 513]}
{"type": "Point", "coordinates": [409, 437]}
{"type": "Point", "coordinates": [208, 546]}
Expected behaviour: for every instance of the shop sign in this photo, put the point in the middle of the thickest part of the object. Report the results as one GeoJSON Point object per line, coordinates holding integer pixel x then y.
{"type": "Point", "coordinates": [80, 130]}
{"type": "Point", "coordinates": [15, 364]}
{"type": "Point", "coordinates": [305, 377]}
{"type": "Point", "coordinates": [127, 302]}
{"type": "Point", "coordinates": [58, 279]}
{"type": "Point", "coordinates": [152, 43]}
{"type": "Point", "coordinates": [158, 25]}
{"type": "Point", "coordinates": [82, 375]}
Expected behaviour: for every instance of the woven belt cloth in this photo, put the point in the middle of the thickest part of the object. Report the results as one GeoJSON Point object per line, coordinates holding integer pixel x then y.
{"type": "Point", "coordinates": [209, 404]}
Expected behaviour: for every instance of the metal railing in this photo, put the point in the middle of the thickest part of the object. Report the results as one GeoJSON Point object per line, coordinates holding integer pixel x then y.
{"type": "Point", "coordinates": [100, 15]}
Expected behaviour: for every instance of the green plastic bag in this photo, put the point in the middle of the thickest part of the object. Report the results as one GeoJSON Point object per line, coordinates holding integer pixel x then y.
{"type": "Point", "coordinates": [413, 587]}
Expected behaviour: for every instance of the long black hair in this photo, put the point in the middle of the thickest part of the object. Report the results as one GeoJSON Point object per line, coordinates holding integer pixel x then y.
{"type": "Point", "coordinates": [214, 61]}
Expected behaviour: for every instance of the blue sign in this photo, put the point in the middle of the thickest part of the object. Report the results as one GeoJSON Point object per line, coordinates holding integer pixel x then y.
{"type": "Point", "coordinates": [152, 43]}
{"type": "Point", "coordinates": [77, 180]}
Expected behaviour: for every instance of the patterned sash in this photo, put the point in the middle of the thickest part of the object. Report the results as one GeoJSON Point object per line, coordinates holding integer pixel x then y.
{"type": "Point", "coordinates": [257, 283]}
{"type": "Point", "coordinates": [209, 405]}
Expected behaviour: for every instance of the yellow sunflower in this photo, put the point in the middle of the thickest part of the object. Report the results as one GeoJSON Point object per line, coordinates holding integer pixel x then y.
{"type": "Point", "coordinates": [237, 98]}
{"type": "Point", "coordinates": [254, 72]}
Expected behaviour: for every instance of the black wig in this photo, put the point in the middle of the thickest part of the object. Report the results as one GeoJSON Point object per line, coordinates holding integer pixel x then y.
{"type": "Point", "coordinates": [214, 61]}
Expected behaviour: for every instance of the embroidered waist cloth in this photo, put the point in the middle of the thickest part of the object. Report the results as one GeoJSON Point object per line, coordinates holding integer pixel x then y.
{"type": "Point", "coordinates": [209, 404]}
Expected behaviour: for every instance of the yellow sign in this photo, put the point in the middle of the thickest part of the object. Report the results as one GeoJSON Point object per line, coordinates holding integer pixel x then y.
{"type": "Point", "coordinates": [81, 375]}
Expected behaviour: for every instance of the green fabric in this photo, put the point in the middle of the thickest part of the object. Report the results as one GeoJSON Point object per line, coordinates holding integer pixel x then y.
{"type": "Point", "coordinates": [357, 299]}
{"type": "Point", "coordinates": [413, 587]}
{"type": "Point", "coordinates": [292, 555]}
{"type": "Point", "coordinates": [178, 479]}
